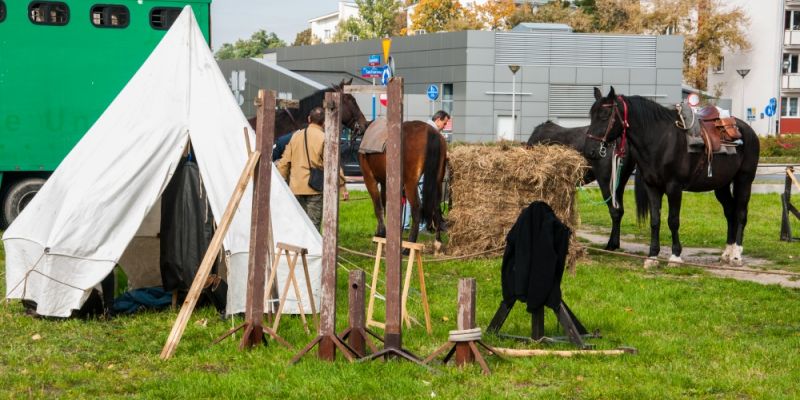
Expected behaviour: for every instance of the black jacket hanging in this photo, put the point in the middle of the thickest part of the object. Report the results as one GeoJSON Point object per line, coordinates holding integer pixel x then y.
{"type": "Point", "coordinates": [533, 262]}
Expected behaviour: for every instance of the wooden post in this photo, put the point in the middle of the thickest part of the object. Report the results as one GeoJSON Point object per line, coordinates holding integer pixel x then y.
{"type": "Point", "coordinates": [259, 256]}
{"type": "Point", "coordinates": [394, 233]}
{"type": "Point", "coordinates": [465, 318]}
{"type": "Point", "coordinates": [209, 258]}
{"type": "Point", "coordinates": [357, 318]}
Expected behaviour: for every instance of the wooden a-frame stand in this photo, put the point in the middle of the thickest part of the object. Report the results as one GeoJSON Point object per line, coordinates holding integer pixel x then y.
{"type": "Point", "coordinates": [292, 253]}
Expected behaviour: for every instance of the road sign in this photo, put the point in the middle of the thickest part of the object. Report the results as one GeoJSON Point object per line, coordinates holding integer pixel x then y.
{"type": "Point", "coordinates": [374, 60]}
{"type": "Point", "coordinates": [372, 72]}
{"type": "Point", "coordinates": [693, 99]}
{"type": "Point", "coordinates": [773, 102]}
{"type": "Point", "coordinates": [387, 46]}
{"type": "Point", "coordinates": [385, 76]}
{"type": "Point", "coordinates": [433, 92]}
{"type": "Point", "coordinates": [769, 110]}
{"type": "Point", "coordinates": [383, 99]}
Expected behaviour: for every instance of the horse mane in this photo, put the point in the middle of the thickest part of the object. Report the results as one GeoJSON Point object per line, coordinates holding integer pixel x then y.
{"type": "Point", "coordinates": [313, 100]}
{"type": "Point", "coordinates": [647, 111]}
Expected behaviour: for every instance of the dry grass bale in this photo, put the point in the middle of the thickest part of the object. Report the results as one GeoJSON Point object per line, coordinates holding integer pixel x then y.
{"type": "Point", "coordinates": [492, 184]}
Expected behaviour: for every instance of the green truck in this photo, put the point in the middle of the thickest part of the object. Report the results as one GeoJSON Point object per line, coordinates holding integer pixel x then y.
{"type": "Point", "coordinates": [61, 65]}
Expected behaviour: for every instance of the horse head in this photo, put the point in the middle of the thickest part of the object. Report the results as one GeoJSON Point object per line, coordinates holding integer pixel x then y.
{"type": "Point", "coordinates": [352, 117]}
{"type": "Point", "coordinates": [608, 115]}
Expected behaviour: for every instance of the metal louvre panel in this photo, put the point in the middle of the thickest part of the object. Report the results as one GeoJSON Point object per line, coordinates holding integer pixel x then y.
{"type": "Point", "coordinates": [570, 100]}
{"type": "Point", "coordinates": [575, 50]}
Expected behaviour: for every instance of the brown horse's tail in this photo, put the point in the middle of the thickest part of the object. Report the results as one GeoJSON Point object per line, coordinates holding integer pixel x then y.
{"type": "Point", "coordinates": [431, 192]}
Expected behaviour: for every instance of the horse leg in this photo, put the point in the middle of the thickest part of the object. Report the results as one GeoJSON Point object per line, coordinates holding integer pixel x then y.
{"type": "Point", "coordinates": [378, 197]}
{"type": "Point", "coordinates": [654, 196]}
{"type": "Point", "coordinates": [674, 196]}
{"type": "Point", "coordinates": [725, 198]}
{"type": "Point", "coordinates": [410, 188]}
{"type": "Point", "coordinates": [604, 180]}
{"type": "Point", "coordinates": [741, 195]}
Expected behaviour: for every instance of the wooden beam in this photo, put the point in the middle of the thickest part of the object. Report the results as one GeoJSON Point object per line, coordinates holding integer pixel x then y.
{"type": "Point", "coordinates": [287, 103]}
{"type": "Point", "coordinates": [394, 232]}
{"type": "Point", "coordinates": [356, 315]}
{"type": "Point", "coordinates": [259, 253]}
{"type": "Point", "coordinates": [364, 89]}
{"type": "Point", "coordinates": [560, 353]}
{"type": "Point", "coordinates": [330, 227]}
{"type": "Point", "coordinates": [465, 318]}
{"type": "Point", "coordinates": [209, 258]}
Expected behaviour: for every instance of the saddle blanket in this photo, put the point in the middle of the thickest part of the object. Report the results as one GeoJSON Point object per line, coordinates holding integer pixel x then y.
{"type": "Point", "coordinates": [374, 140]}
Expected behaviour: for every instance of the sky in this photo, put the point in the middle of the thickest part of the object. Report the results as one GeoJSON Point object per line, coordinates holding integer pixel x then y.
{"type": "Point", "coordinates": [238, 19]}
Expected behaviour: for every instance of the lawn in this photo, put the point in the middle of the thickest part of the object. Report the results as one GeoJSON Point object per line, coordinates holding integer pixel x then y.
{"type": "Point", "coordinates": [697, 337]}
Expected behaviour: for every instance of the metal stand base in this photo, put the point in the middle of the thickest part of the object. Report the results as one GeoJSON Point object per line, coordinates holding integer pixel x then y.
{"type": "Point", "coordinates": [566, 318]}
{"type": "Point", "coordinates": [251, 337]}
{"type": "Point", "coordinates": [361, 335]}
{"type": "Point", "coordinates": [347, 352]}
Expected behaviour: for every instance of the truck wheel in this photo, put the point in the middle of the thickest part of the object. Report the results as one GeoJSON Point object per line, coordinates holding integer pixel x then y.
{"type": "Point", "coordinates": [18, 196]}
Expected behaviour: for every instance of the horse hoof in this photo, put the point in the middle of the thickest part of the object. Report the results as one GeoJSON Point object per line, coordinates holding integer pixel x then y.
{"type": "Point", "coordinates": [612, 247]}
{"type": "Point", "coordinates": [726, 255]}
{"type": "Point", "coordinates": [651, 263]}
{"type": "Point", "coordinates": [675, 261]}
{"type": "Point", "coordinates": [437, 248]}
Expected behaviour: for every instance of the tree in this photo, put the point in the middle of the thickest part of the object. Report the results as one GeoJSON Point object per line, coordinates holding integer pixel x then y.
{"type": "Point", "coordinates": [379, 17]}
{"type": "Point", "coordinates": [304, 38]}
{"type": "Point", "coordinates": [556, 12]}
{"type": "Point", "coordinates": [253, 47]}
{"type": "Point", "coordinates": [620, 16]}
{"type": "Point", "coordinates": [495, 14]}
{"type": "Point", "coordinates": [435, 15]}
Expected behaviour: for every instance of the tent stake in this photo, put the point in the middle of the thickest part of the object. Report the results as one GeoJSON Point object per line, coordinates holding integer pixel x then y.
{"type": "Point", "coordinates": [209, 258]}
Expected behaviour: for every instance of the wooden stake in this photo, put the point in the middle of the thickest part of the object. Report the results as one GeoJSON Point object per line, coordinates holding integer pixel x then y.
{"type": "Point", "coordinates": [561, 353]}
{"type": "Point", "coordinates": [465, 318]}
{"type": "Point", "coordinates": [209, 258]}
{"type": "Point", "coordinates": [394, 233]}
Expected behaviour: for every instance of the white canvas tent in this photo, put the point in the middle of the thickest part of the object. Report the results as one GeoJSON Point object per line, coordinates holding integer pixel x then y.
{"type": "Point", "coordinates": [76, 229]}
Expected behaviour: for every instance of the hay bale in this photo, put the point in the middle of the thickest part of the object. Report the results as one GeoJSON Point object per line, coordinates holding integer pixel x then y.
{"type": "Point", "coordinates": [491, 184]}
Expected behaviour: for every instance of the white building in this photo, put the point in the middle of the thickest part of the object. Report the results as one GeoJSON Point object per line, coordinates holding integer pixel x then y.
{"type": "Point", "coordinates": [771, 66]}
{"type": "Point", "coordinates": [324, 27]}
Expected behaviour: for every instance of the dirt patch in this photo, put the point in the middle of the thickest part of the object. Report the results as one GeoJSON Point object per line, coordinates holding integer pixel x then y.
{"type": "Point", "coordinates": [704, 255]}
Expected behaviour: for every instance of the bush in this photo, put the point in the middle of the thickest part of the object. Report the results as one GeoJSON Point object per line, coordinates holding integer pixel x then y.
{"type": "Point", "coordinates": [780, 146]}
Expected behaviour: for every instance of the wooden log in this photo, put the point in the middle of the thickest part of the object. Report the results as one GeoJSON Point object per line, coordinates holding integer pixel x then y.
{"type": "Point", "coordinates": [560, 353]}
{"type": "Point", "coordinates": [790, 172]}
{"type": "Point", "coordinates": [330, 227]}
{"type": "Point", "coordinates": [364, 89]}
{"type": "Point", "coordinates": [465, 319]}
{"type": "Point", "coordinates": [357, 319]}
{"type": "Point", "coordinates": [259, 254]}
{"type": "Point", "coordinates": [208, 260]}
{"type": "Point", "coordinates": [394, 233]}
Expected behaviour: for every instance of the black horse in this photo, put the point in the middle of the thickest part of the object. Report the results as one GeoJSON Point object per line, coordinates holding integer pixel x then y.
{"type": "Point", "coordinates": [666, 167]}
{"type": "Point", "coordinates": [288, 120]}
{"type": "Point", "coordinates": [600, 162]}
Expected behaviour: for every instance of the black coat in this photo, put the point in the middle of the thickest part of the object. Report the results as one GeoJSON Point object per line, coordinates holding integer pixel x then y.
{"type": "Point", "coordinates": [533, 263]}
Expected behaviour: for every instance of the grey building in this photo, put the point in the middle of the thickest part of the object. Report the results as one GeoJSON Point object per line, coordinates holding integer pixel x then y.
{"type": "Point", "coordinates": [558, 71]}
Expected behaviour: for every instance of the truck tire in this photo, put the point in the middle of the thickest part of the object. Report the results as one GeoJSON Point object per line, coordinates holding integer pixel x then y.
{"type": "Point", "coordinates": [18, 196]}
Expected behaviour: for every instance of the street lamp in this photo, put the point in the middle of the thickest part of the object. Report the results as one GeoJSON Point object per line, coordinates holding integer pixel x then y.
{"type": "Point", "coordinates": [743, 73]}
{"type": "Point", "coordinates": [514, 69]}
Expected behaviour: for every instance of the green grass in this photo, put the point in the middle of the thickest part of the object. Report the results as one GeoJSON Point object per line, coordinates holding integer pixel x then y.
{"type": "Point", "coordinates": [697, 336]}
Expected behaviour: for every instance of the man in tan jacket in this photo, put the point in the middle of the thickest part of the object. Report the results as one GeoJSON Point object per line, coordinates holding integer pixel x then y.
{"type": "Point", "coordinates": [294, 165]}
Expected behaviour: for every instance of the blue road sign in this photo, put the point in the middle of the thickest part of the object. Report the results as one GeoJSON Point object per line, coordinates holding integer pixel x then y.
{"type": "Point", "coordinates": [433, 92]}
{"type": "Point", "coordinates": [769, 110]}
{"type": "Point", "coordinates": [374, 60]}
{"type": "Point", "coordinates": [385, 76]}
{"type": "Point", "coordinates": [773, 102]}
{"type": "Point", "coordinates": [372, 71]}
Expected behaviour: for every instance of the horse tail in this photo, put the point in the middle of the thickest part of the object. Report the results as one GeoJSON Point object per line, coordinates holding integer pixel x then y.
{"type": "Point", "coordinates": [642, 201]}
{"type": "Point", "coordinates": [430, 190]}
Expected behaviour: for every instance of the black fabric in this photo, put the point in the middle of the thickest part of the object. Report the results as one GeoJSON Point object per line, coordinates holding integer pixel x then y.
{"type": "Point", "coordinates": [186, 227]}
{"type": "Point", "coordinates": [533, 262]}
{"type": "Point", "coordinates": [280, 146]}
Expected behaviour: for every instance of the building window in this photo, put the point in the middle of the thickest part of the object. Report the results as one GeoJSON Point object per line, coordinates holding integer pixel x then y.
{"type": "Point", "coordinates": [161, 18]}
{"type": "Point", "coordinates": [790, 63]}
{"type": "Point", "coordinates": [108, 16]}
{"type": "Point", "coordinates": [792, 20]}
{"type": "Point", "coordinates": [789, 107]}
{"type": "Point", "coordinates": [2, 10]}
{"type": "Point", "coordinates": [720, 67]}
{"type": "Point", "coordinates": [447, 98]}
{"type": "Point", "coordinates": [327, 34]}
{"type": "Point", "coordinates": [48, 13]}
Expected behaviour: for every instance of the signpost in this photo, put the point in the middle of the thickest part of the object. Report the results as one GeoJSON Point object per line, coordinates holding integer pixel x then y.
{"type": "Point", "coordinates": [433, 92]}
{"type": "Point", "coordinates": [769, 111]}
{"type": "Point", "coordinates": [372, 71]}
{"type": "Point", "coordinates": [374, 60]}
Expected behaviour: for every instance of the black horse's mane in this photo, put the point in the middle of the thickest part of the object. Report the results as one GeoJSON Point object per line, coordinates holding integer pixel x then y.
{"type": "Point", "coordinates": [645, 111]}
{"type": "Point", "coordinates": [313, 100]}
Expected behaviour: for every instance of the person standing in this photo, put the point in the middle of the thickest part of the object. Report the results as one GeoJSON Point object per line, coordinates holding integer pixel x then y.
{"type": "Point", "coordinates": [303, 152]}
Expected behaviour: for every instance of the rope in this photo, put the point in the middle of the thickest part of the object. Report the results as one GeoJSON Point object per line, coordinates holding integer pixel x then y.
{"type": "Point", "coordinates": [466, 335]}
{"type": "Point", "coordinates": [429, 260]}
{"type": "Point", "coordinates": [687, 263]}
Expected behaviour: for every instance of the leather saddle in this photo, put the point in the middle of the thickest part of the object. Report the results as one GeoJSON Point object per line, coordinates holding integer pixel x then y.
{"type": "Point", "coordinates": [716, 130]}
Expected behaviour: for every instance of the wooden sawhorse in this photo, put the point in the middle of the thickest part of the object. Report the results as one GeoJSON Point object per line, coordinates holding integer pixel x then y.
{"type": "Point", "coordinates": [292, 253]}
{"type": "Point", "coordinates": [415, 254]}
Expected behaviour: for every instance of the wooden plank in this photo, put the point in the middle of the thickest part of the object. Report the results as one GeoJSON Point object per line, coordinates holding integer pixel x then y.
{"type": "Point", "coordinates": [425, 307]}
{"type": "Point", "coordinates": [407, 245]}
{"type": "Point", "coordinates": [790, 172]}
{"type": "Point", "coordinates": [394, 233]}
{"type": "Point", "coordinates": [465, 318]}
{"type": "Point", "coordinates": [330, 226]}
{"type": "Point", "coordinates": [288, 103]}
{"type": "Point", "coordinates": [357, 318]}
{"type": "Point", "coordinates": [406, 287]}
{"type": "Point", "coordinates": [208, 260]}
{"type": "Point", "coordinates": [292, 248]}
{"type": "Point", "coordinates": [376, 270]}
{"type": "Point", "coordinates": [364, 89]}
{"type": "Point", "coordinates": [310, 291]}
{"type": "Point", "coordinates": [259, 255]}
{"type": "Point", "coordinates": [559, 353]}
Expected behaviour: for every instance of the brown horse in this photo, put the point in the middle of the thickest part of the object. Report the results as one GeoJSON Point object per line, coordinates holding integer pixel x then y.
{"type": "Point", "coordinates": [424, 152]}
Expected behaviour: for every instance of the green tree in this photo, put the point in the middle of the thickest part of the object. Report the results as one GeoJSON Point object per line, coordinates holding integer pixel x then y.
{"type": "Point", "coordinates": [253, 47]}
{"type": "Point", "coordinates": [379, 17]}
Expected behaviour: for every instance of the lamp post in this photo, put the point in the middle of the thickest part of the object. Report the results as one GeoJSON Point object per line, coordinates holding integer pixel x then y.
{"type": "Point", "coordinates": [743, 73]}
{"type": "Point", "coordinates": [514, 69]}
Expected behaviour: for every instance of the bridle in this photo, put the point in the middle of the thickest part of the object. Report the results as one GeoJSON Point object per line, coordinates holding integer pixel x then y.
{"type": "Point", "coordinates": [623, 118]}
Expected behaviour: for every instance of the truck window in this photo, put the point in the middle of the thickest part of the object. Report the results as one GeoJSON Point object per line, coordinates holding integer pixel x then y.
{"type": "Point", "coordinates": [48, 12]}
{"type": "Point", "coordinates": [110, 16]}
{"type": "Point", "coordinates": [161, 18]}
{"type": "Point", "coordinates": [2, 10]}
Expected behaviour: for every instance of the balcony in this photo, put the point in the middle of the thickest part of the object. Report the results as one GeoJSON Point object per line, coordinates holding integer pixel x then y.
{"type": "Point", "coordinates": [791, 38]}
{"type": "Point", "coordinates": [789, 82]}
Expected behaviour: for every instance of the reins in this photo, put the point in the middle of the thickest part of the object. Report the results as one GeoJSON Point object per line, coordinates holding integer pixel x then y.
{"type": "Point", "coordinates": [623, 118]}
